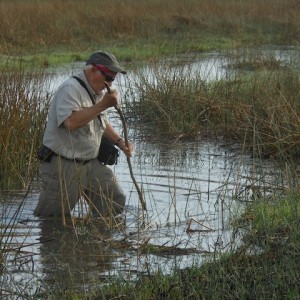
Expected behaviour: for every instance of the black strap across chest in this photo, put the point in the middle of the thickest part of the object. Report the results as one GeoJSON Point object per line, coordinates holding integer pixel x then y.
{"type": "Point", "coordinates": [85, 87]}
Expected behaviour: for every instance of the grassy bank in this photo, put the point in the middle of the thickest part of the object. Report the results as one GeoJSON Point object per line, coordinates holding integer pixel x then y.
{"type": "Point", "coordinates": [63, 31]}
{"type": "Point", "coordinates": [265, 267]}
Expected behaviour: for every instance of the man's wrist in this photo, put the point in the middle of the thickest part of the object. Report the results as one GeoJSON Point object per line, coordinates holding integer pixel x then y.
{"type": "Point", "coordinates": [118, 141]}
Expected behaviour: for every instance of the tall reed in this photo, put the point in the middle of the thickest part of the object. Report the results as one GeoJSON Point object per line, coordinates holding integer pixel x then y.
{"type": "Point", "coordinates": [23, 109]}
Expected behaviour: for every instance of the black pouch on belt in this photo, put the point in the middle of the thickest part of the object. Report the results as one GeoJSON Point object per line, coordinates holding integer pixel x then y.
{"type": "Point", "coordinates": [108, 153]}
{"type": "Point", "coordinates": [44, 153]}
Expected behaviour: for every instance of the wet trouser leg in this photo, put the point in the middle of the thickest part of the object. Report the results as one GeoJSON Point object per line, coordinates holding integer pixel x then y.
{"type": "Point", "coordinates": [60, 187]}
{"type": "Point", "coordinates": [64, 182]}
{"type": "Point", "coordinates": [106, 195]}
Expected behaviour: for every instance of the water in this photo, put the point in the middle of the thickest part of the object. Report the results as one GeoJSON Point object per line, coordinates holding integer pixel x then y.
{"type": "Point", "coordinates": [192, 191]}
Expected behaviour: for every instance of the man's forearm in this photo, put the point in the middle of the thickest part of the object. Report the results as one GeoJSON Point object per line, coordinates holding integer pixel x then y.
{"type": "Point", "coordinates": [80, 118]}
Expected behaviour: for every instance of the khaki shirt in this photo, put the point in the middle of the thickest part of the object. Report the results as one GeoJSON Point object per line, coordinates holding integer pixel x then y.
{"type": "Point", "coordinates": [82, 143]}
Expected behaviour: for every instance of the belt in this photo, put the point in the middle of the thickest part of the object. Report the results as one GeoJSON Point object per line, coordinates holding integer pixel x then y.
{"type": "Point", "coordinates": [80, 161]}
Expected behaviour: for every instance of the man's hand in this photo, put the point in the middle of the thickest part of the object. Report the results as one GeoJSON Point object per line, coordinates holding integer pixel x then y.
{"type": "Point", "coordinates": [110, 100]}
{"type": "Point", "coordinates": [128, 151]}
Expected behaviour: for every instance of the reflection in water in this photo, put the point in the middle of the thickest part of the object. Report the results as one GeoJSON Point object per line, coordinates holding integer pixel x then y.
{"type": "Point", "coordinates": [65, 251]}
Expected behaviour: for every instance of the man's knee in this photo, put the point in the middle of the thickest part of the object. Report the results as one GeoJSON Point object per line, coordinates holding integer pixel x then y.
{"type": "Point", "coordinates": [109, 206]}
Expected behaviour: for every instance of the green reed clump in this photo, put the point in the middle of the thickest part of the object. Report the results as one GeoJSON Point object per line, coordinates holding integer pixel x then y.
{"type": "Point", "coordinates": [172, 102]}
{"type": "Point", "coordinates": [259, 109]}
{"type": "Point", "coordinates": [264, 111]}
{"type": "Point", "coordinates": [23, 109]}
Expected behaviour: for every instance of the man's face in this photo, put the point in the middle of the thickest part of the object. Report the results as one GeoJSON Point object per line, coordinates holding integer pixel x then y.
{"type": "Point", "coordinates": [106, 76]}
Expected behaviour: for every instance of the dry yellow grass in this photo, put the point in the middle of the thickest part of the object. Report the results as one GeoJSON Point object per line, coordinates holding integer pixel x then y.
{"type": "Point", "coordinates": [34, 25]}
{"type": "Point", "coordinates": [22, 118]}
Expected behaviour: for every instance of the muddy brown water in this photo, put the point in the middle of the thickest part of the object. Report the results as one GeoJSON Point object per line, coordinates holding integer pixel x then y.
{"type": "Point", "coordinates": [192, 191]}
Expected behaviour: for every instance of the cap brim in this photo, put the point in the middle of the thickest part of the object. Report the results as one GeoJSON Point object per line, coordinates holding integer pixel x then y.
{"type": "Point", "coordinates": [116, 69]}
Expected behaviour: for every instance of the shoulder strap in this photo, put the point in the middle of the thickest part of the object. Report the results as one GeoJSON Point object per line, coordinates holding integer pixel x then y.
{"type": "Point", "coordinates": [85, 87]}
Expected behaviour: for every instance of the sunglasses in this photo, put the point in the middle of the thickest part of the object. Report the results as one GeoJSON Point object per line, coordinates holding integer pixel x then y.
{"type": "Point", "coordinates": [107, 77]}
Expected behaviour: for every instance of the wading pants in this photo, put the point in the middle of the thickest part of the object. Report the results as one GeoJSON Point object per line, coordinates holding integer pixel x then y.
{"type": "Point", "coordinates": [64, 182]}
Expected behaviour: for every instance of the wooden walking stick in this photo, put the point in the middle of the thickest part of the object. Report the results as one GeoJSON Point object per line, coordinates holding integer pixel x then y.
{"type": "Point", "coordinates": [143, 203]}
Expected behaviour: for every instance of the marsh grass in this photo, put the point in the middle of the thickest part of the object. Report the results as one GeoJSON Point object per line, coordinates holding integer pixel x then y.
{"type": "Point", "coordinates": [266, 266]}
{"type": "Point", "coordinates": [273, 222]}
{"type": "Point", "coordinates": [23, 109]}
{"type": "Point", "coordinates": [143, 29]}
{"type": "Point", "coordinates": [259, 110]}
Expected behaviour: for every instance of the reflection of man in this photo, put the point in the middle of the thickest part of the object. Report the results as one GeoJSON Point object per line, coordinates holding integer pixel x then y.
{"type": "Point", "coordinates": [71, 256]}
{"type": "Point", "coordinates": [73, 135]}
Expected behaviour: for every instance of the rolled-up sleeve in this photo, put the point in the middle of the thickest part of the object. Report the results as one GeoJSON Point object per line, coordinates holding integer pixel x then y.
{"type": "Point", "coordinates": [69, 102]}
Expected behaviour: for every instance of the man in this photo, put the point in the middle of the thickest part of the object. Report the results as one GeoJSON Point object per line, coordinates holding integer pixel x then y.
{"type": "Point", "coordinates": [73, 135]}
